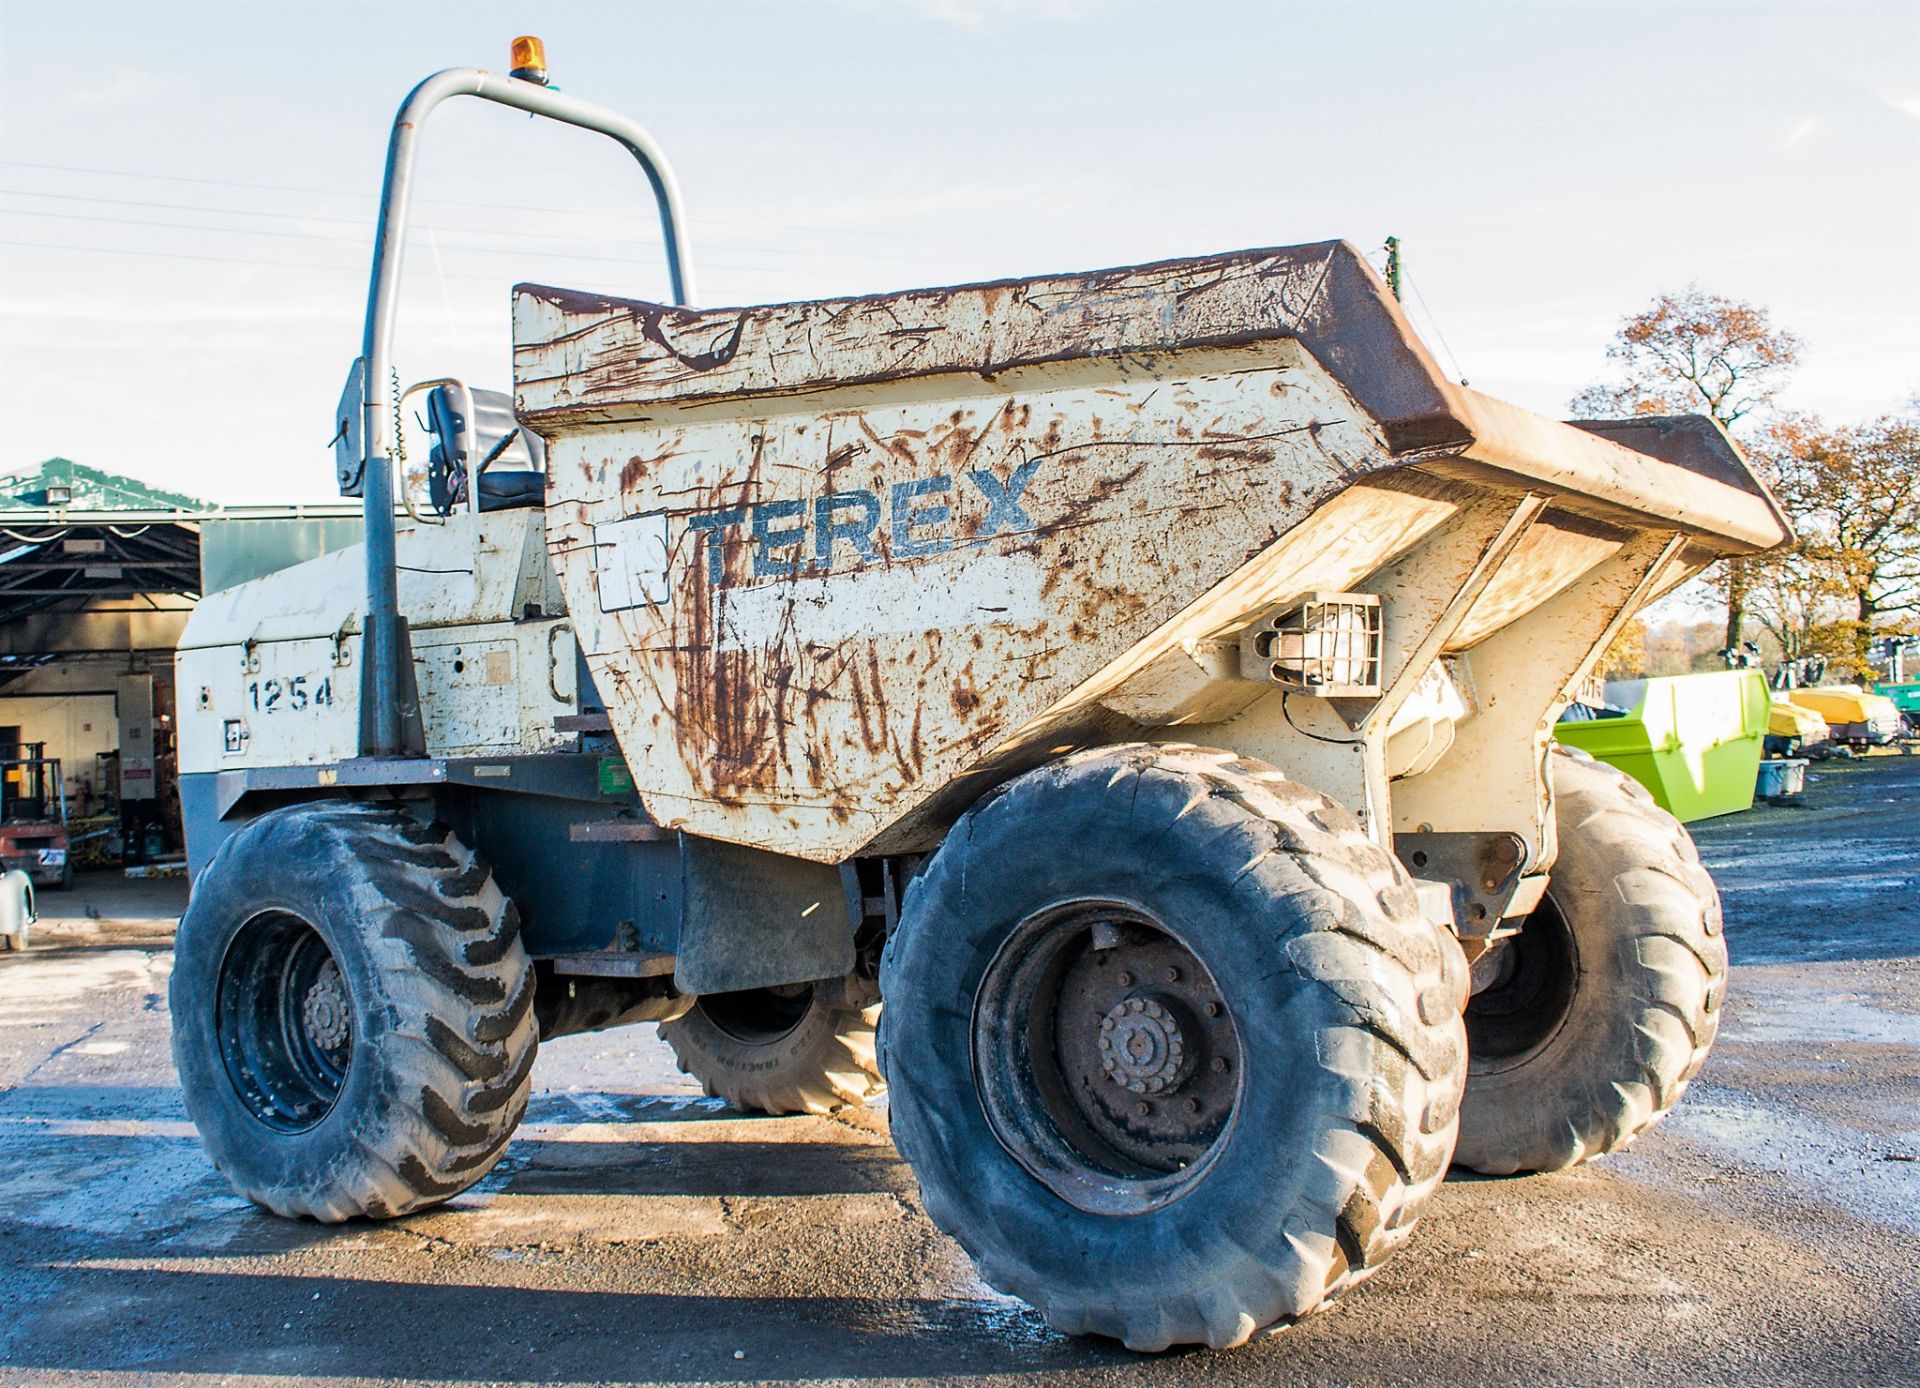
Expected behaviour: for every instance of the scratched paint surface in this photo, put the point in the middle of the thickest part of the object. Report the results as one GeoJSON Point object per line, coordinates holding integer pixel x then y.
{"type": "Point", "coordinates": [270, 672]}
{"type": "Point", "coordinates": [828, 560]}
{"type": "Point", "coordinates": [806, 623]}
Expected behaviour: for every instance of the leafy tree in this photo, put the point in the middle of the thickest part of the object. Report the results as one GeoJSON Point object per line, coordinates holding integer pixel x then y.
{"type": "Point", "coordinates": [1854, 494]}
{"type": "Point", "coordinates": [1693, 353]}
{"type": "Point", "coordinates": [1626, 655]}
{"type": "Point", "coordinates": [1679, 648]}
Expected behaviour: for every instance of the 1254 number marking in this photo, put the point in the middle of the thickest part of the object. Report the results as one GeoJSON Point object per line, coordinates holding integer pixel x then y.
{"type": "Point", "coordinates": [295, 695]}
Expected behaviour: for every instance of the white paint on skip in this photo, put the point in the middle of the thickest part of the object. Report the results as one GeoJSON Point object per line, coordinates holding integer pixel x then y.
{"type": "Point", "coordinates": [997, 590]}
{"type": "Point", "coordinates": [631, 558]}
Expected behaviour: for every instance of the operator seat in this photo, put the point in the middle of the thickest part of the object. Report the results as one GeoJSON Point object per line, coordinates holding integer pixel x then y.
{"type": "Point", "coordinates": [475, 431]}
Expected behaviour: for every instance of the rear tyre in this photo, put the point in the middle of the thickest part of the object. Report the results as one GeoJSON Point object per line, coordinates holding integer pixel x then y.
{"type": "Point", "coordinates": [1602, 1009]}
{"type": "Point", "coordinates": [1173, 1053]}
{"type": "Point", "coordinates": [808, 1048]}
{"type": "Point", "coordinates": [352, 1013]}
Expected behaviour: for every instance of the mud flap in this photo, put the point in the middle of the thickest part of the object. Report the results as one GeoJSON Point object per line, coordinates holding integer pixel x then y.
{"type": "Point", "coordinates": [755, 919]}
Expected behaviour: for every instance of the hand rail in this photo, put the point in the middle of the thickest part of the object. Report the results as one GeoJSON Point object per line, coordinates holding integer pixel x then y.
{"type": "Point", "coordinates": [383, 724]}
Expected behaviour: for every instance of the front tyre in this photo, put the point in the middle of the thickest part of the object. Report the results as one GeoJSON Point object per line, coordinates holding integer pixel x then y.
{"type": "Point", "coordinates": [1592, 1020]}
{"type": "Point", "coordinates": [1173, 1053]}
{"type": "Point", "coordinates": [352, 1012]}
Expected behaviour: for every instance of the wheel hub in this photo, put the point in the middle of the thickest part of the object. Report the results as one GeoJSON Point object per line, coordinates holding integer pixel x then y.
{"type": "Point", "coordinates": [283, 1021]}
{"type": "Point", "coordinates": [1106, 1056]}
{"type": "Point", "coordinates": [1522, 990]}
{"type": "Point", "coordinates": [1142, 1047]}
{"type": "Point", "coordinates": [324, 1010]}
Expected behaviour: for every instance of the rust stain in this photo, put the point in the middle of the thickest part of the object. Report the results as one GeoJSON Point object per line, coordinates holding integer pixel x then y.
{"type": "Point", "coordinates": [1148, 489]}
{"type": "Point", "coordinates": [730, 701]}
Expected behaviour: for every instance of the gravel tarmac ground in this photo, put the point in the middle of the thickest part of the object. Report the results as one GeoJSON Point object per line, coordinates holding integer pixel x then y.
{"type": "Point", "coordinates": [1768, 1232]}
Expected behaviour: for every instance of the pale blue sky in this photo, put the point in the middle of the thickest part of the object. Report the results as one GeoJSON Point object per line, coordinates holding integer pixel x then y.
{"type": "Point", "coordinates": [188, 188]}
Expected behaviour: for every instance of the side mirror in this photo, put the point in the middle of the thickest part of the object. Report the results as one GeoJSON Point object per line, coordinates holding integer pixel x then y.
{"type": "Point", "coordinates": [349, 434]}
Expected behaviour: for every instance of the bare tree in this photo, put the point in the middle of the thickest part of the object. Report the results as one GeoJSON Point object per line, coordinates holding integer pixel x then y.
{"type": "Point", "coordinates": [1793, 594]}
{"type": "Point", "coordinates": [1691, 353]}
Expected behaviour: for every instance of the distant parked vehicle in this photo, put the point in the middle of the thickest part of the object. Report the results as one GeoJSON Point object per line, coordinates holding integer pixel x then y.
{"type": "Point", "coordinates": [1856, 718]}
{"type": "Point", "coordinates": [33, 815]}
{"type": "Point", "coordinates": [1793, 731]}
{"type": "Point", "coordinates": [1906, 698]}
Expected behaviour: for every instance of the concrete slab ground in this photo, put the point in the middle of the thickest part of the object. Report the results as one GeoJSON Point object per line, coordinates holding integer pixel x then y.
{"type": "Point", "coordinates": [1768, 1232]}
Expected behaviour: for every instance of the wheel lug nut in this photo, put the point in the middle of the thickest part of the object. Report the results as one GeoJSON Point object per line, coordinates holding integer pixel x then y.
{"type": "Point", "coordinates": [1219, 1065]}
{"type": "Point", "coordinates": [1173, 974]}
{"type": "Point", "coordinates": [1213, 1009]}
{"type": "Point", "coordinates": [1126, 979]}
{"type": "Point", "coordinates": [1142, 1109]}
{"type": "Point", "coordinates": [1193, 1106]}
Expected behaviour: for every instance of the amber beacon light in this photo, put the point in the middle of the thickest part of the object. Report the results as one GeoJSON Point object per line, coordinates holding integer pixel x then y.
{"type": "Point", "coordinates": [529, 60]}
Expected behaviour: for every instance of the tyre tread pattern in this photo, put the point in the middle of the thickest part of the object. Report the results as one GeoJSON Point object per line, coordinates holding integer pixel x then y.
{"type": "Point", "coordinates": [827, 1064]}
{"type": "Point", "coordinates": [459, 989]}
{"type": "Point", "coordinates": [1402, 982]}
{"type": "Point", "coordinates": [1668, 905]}
{"type": "Point", "coordinates": [1677, 920]}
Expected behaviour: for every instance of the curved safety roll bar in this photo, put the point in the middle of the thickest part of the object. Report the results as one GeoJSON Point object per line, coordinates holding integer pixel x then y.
{"type": "Point", "coordinates": [389, 717]}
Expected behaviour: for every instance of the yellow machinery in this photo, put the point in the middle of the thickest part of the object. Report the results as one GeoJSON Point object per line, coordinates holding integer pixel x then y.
{"type": "Point", "coordinates": [1792, 729]}
{"type": "Point", "coordinates": [1855, 717]}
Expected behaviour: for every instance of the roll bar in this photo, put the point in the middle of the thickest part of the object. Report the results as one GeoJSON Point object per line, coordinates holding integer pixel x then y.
{"type": "Point", "coordinates": [389, 717]}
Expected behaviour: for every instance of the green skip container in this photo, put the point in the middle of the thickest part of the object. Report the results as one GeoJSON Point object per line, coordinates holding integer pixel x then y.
{"type": "Point", "coordinates": [1694, 741]}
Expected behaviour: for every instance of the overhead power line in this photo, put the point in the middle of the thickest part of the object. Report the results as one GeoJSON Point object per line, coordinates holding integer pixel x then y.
{"type": "Point", "coordinates": [1414, 284]}
{"type": "Point", "coordinates": [368, 195]}
{"type": "Point", "coordinates": [352, 240]}
{"type": "Point", "coordinates": [359, 270]}
{"type": "Point", "coordinates": [183, 178]}
{"type": "Point", "coordinates": [366, 223]}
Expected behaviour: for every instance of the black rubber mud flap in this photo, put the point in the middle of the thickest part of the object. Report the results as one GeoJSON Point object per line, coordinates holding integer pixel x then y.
{"type": "Point", "coordinates": [755, 919]}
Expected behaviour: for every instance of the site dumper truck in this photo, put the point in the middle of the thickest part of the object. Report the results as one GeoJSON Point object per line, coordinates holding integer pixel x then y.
{"type": "Point", "coordinates": [1141, 682]}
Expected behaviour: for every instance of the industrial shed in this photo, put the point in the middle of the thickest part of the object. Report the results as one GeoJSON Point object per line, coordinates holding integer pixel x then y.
{"type": "Point", "coordinates": [98, 573]}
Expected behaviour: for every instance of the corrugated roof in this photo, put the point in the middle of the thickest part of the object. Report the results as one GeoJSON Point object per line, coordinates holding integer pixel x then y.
{"type": "Point", "coordinates": [89, 489]}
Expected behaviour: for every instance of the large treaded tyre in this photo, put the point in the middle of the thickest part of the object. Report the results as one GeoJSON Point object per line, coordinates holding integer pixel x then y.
{"type": "Point", "coordinates": [352, 1012]}
{"type": "Point", "coordinates": [1609, 1001]}
{"type": "Point", "coordinates": [1247, 969]}
{"type": "Point", "coordinates": [806, 1049]}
